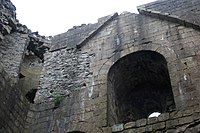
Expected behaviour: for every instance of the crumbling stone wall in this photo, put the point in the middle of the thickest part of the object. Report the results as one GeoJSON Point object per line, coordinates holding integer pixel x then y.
{"type": "Point", "coordinates": [63, 72]}
{"type": "Point", "coordinates": [66, 75]}
{"type": "Point", "coordinates": [14, 40]}
{"type": "Point", "coordinates": [178, 44]}
{"type": "Point", "coordinates": [13, 107]}
{"type": "Point", "coordinates": [124, 34]}
{"type": "Point", "coordinates": [30, 71]}
{"type": "Point", "coordinates": [184, 9]}
{"type": "Point", "coordinates": [72, 93]}
{"type": "Point", "coordinates": [8, 16]}
{"type": "Point", "coordinates": [12, 50]}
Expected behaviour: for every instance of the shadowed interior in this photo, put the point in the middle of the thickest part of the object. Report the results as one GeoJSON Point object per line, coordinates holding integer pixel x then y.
{"type": "Point", "coordinates": [138, 85]}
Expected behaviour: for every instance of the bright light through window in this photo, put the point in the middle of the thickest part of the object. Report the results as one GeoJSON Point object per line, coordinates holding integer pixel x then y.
{"type": "Point", "coordinates": [154, 114]}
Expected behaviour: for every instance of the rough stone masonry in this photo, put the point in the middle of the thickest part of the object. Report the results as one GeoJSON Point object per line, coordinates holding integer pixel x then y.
{"type": "Point", "coordinates": [104, 77]}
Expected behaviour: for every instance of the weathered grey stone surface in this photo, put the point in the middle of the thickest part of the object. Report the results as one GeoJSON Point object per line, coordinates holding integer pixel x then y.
{"type": "Point", "coordinates": [71, 79]}
{"type": "Point", "coordinates": [78, 34]}
{"type": "Point", "coordinates": [184, 9]}
{"type": "Point", "coordinates": [63, 72]}
{"type": "Point", "coordinates": [12, 48]}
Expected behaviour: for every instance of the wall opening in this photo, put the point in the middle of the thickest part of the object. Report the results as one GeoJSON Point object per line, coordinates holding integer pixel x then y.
{"type": "Point", "coordinates": [30, 95]}
{"type": "Point", "coordinates": [139, 85]}
{"type": "Point", "coordinates": [154, 114]}
{"type": "Point", "coordinates": [29, 76]}
{"type": "Point", "coordinates": [21, 76]}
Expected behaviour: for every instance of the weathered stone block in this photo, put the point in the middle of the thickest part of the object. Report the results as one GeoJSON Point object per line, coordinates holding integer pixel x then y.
{"type": "Point", "coordinates": [163, 117]}
{"type": "Point", "coordinates": [158, 126]}
{"type": "Point", "coordinates": [129, 125]}
{"type": "Point", "coordinates": [107, 130]}
{"type": "Point", "coordinates": [140, 130]}
{"type": "Point", "coordinates": [171, 123]}
{"type": "Point", "coordinates": [141, 122]}
{"type": "Point", "coordinates": [117, 128]}
{"type": "Point", "coordinates": [152, 120]}
{"type": "Point", "coordinates": [149, 128]}
{"type": "Point", "coordinates": [175, 114]}
{"type": "Point", "coordinates": [196, 116]}
{"type": "Point", "coordinates": [185, 120]}
{"type": "Point", "coordinates": [187, 112]}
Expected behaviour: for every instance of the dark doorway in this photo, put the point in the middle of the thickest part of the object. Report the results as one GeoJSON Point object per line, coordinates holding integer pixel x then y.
{"type": "Point", "coordinates": [138, 85]}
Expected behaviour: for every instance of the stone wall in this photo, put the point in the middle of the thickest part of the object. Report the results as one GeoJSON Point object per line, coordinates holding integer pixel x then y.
{"type": "Point", "coordinates": [65, 85]}
{"type": "Point", "coordinates": [71, 79]}
{"type": "Point", "coordinates": [11, 53]}
{"type": "Point", "coordinates": [178, 44]}
{"type": "Point", "coordinates": [8, 17]}
{"type": "Point", "coordinates": [14, 40]}
{"type": "Point", "coordinates": [125, 34]}
{"type": "Point", "coordinates": [64, 71]}
{"type": "Point", "coordinates": [184, 9]}
{"type": "Point", "coordinates": [13, 107]}
{"type": "Point", "coordinates": [174, 122]}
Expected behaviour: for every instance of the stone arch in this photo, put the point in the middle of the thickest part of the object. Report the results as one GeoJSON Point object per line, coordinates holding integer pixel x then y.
{"type": "Point", "coordinates": [166, 51]}
{"type": "Point", "coordinates": [138, 85]}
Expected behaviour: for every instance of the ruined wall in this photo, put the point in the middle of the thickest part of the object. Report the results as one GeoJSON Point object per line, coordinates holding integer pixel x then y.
{"type": "Point", "coordinates": [63, 90]}
{"type": "Point", "coordinates": [8, 18]}
{"type": "Point", "coordinates": [179, 45]}
{"type": "Point", "coordinates": [12, 50]}
{"type": "Point", "coordinates": [184, 9]}
{"type": "Point", "coordinates": [71, 79]}
{"type": "Point", "coordinates": [84, 108]}
{"type": "Point", "coordinates": [13, 107]}
{"type": "Point", "coordinates": [14, 40]}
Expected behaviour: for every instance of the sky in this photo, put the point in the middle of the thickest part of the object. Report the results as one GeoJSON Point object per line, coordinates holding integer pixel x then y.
{"type": "Point", "coordinates": [52, 17]}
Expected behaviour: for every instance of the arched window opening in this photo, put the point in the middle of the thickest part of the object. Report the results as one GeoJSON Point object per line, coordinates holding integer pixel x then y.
{"type": "Point", "coordinates": [138, 85]}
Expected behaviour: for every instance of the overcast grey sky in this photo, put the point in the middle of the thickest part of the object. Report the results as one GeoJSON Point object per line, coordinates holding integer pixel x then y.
{"type": "Point", "coordinates": [51, 17]}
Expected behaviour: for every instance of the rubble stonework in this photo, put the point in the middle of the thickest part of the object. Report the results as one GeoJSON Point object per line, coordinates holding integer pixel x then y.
{"type": "Point", "coordinates": [67, 83]}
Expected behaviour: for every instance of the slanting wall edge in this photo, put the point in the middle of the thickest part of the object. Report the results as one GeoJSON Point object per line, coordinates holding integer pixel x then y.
{"type": "Point", "coordinates": [168, 17]}
{"type": "Point", "coordinates": [92, 34]}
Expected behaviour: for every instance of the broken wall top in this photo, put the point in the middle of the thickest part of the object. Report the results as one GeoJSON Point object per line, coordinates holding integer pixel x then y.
{"type": "Point", "coordinates": [78, 35]}
{"type": "Point", "coordinates": [185, 10]}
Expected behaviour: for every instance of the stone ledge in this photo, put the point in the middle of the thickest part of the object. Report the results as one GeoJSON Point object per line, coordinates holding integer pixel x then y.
{"type": "Point", "coordinates": [164, 121]}
{"type": "Point", "coordinates": [168, 17]}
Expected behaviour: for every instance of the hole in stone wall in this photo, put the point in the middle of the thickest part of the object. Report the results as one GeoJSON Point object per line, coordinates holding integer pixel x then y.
{"type": "Point", "coordinates": [21, 76]}
{"type": "Point", "coordinates": [84, 84]}
{"type": "Point", "coordinates": [138, 84]}
{"type": "Point", "coordinates": [30, 95]}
